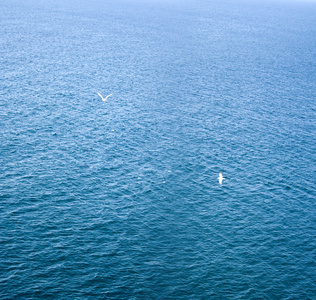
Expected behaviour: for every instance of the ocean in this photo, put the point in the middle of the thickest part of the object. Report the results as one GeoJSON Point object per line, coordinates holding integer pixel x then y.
{"type": "Point", "coordinates": [120, 199]}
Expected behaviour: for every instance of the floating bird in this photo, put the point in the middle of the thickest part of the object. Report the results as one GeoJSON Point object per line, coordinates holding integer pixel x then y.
{"type": "Point", "coordinates": [220, 178]}
{"type": "Point", "coordinates": [106, 98]}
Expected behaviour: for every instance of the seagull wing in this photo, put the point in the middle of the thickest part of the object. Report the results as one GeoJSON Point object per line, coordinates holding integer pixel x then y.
{"type": "Point", "coordinates": [100, 95]}
{"type": "Point", "coordinates": [106, 98]}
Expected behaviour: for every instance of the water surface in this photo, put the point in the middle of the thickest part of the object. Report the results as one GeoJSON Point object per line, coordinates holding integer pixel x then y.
{"type": "Point", "coordinates": [120, 199]}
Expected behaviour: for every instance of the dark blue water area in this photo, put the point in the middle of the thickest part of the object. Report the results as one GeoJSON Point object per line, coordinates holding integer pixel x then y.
{"type": "Point", "coordinates": [120, 199]}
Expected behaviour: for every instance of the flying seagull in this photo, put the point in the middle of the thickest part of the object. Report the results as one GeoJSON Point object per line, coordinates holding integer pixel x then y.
{"type": "Point", "coordinates": [220, 178]}
{"type": "Point", "coordinates": [104, 99]}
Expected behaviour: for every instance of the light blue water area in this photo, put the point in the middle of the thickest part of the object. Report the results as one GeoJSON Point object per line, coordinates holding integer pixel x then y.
{"type": "Point", "coordinates": [120, 199]}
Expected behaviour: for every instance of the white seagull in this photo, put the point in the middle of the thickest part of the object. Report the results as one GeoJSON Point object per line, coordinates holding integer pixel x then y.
{"type": "Point", "coordinates": [220, 178]}
{"type": "Point", "coordinates": [106, 98]}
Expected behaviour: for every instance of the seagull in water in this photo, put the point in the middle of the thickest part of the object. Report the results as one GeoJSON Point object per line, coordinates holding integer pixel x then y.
{"type": "Point", "coordinates": [220, 178]}
{"type": "Point", "coordinates": [106, 98]}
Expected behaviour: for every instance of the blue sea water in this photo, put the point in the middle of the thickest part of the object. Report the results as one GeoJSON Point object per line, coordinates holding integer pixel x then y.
{"type": "Point", "coordinates": [120, 199]}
